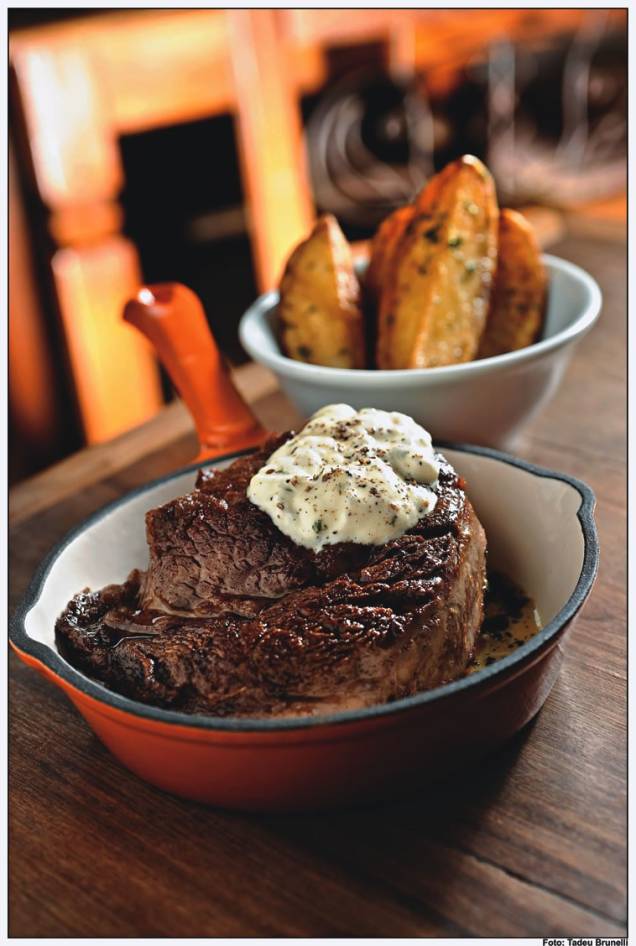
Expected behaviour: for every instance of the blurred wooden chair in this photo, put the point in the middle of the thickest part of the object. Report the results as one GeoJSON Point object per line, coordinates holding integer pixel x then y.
{"type": "Point", "coordinates": [436, 42]}
{"type": "Point", "coordinates": [82, 84]}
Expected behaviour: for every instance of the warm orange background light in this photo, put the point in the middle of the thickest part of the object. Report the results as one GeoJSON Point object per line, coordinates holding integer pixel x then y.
{"type": "Point", "coordinates": [83, 83]}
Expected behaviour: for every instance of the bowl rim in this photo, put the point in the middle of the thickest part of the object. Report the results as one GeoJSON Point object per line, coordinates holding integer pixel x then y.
{"type": "Point", "coordinates": [349, 377]}
{"type": "Point", "coordinates": [64, 670]}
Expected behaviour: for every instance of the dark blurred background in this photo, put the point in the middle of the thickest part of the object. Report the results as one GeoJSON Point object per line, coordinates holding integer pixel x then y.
{"type": "Point", "coordinates": [197, 145]}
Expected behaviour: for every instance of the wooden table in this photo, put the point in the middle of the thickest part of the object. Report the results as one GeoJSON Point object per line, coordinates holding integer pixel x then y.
{"type": "Point", "coordinates": [530, 843]}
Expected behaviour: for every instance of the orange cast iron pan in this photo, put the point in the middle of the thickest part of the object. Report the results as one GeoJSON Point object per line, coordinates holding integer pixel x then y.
{"type": "Point", "coordinates": [296, 764]}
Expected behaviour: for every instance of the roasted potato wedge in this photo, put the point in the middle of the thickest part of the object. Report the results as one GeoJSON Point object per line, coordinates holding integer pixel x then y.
{"type": "Point", "coordinates": [435, 298]}
{"type": "Point", "coordinates": [383, 246]}
{"type": "Point", "coordinates": [319, 309]}
{"type": "Point", "coordinates": [517, 303]}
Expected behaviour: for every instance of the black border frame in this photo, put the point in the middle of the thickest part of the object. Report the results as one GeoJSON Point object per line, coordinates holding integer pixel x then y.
{"type": "Point", "coordinates": [54, 662]}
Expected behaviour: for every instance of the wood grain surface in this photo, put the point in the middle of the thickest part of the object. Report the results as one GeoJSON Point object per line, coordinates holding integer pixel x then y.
{"type": "Point", "coordinates": [529, 843]}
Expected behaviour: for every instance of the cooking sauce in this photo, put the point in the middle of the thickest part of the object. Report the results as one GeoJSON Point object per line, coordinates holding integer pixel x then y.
{"type": "Point", "coordinates": [510, 619]}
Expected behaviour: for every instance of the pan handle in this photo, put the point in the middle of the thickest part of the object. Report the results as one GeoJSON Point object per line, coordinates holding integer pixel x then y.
{"type": "Point", "coordinates": [171, 317]}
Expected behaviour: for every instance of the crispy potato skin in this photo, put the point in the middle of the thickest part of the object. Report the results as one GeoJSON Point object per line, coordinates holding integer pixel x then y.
{"type": "Point", "coordinates": [383, 246]}
{"type": "Point", "coordinates": [320, 309]}
{"type": "Point", "coordinates": [517, 304]}
{"type": "Point", "coordinates": [434, 302]}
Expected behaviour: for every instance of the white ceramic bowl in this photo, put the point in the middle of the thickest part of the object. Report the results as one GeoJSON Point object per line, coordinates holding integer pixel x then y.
{"type": "Point", "coordinates": [487, 401]}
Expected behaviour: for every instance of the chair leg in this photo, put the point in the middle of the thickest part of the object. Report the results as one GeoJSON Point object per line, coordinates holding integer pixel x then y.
{"type": "Point", "coordinates": [269, 132]}
{"type": "Point", "coordinates": [115, 372]}
{"type": "Point", "coordinates": [78, 176]}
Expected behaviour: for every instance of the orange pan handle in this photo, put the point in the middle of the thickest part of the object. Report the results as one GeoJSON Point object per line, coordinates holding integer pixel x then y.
{"type": "Point", "coordinates": [171, 316]}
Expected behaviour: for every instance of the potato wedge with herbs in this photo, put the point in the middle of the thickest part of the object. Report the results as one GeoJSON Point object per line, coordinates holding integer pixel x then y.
{"type": "Point", "coordinates": [434, 303]}
{"type": "Point", "coordinates": [517, 302]}
{"type": "Point", "coordinates": [383, 246]}
{"type": "Point", "coordinates": [319, 309]}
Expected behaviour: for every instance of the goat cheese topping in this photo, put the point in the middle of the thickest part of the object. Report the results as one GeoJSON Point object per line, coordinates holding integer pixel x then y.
{"type": "Point", "coordinates": [349, 476]}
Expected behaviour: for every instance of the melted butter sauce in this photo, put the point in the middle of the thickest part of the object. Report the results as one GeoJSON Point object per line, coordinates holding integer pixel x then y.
{"type": "Point", "coordinates": [349, 476]}
{"type": "Point", "coordinates": [510, 619]}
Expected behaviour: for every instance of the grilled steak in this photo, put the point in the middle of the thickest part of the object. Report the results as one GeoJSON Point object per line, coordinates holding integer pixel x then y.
{"type": "Point", "coordinates": [215, 552]}
{"type": "Point", "coordinates": [233, 618]}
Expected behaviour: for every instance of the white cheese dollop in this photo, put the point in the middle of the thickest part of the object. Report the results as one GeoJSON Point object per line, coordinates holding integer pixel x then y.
{"type": "Point", "coordinates": [349, 476]}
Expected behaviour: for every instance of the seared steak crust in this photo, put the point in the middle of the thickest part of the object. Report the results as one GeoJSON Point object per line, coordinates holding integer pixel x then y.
{"type": "Point", "coordinates": [232, 618]}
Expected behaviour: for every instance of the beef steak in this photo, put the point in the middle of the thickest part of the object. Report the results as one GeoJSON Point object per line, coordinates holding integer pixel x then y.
{"type": "Point", "coordinates": [232, 618]}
